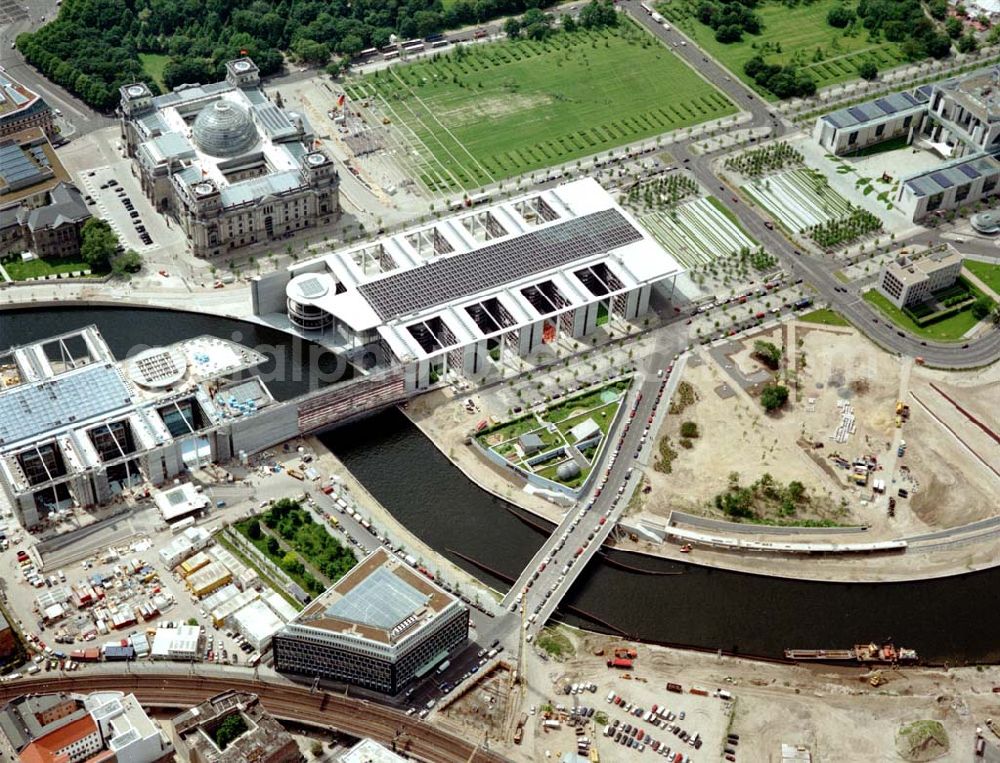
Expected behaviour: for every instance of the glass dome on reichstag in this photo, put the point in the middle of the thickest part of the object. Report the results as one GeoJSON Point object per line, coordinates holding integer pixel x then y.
{"type": "Point", "coordinates": [224, 128]}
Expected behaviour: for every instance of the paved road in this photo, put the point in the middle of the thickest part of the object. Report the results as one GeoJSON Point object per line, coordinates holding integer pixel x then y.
{"type": "Point", "coordinates": [583, 530]}
{"type": "Point", "coordinates": [707, 523]}
{"type": "Point", "coordinates": [819, 273]}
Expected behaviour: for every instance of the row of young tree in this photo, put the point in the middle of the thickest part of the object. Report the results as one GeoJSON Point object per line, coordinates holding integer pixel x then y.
{"type": "Point", "coordinates": [92, 48]}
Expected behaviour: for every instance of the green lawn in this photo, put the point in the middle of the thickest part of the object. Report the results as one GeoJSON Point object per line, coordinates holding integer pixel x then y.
{"type": "Point", "coordinates": [19, 270]}
{"type": "Point", "coordinates": [828, 54]}
{"type": "Point", "coordinates": [825, 317]}
{"type": "Point", "coordinates": [153, 64]}
{"type": "Point", "coordinates": [602, 416]}
{"type": "Point", "coordinates": [951, 329]}
{"type": "Point", "coordinates": [488, 112]}
{"type": "Point", "coordinates": [986, 272]}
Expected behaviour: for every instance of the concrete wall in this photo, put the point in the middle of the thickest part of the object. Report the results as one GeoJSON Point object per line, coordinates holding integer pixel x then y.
{"type": "Point", "coordinates": [837, 141]}
{"type": "Point", "coordinates": [267, 292]}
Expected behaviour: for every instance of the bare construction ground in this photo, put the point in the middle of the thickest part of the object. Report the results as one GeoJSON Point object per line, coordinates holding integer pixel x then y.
{"type": "Point", "coordinates": [834, 712]}
{"type": "Point", "coordinates": [948, 484]}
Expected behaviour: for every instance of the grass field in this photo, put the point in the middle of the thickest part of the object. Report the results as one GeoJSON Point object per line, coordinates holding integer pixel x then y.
{"type": "Point", "coordinates": [828, 54]}
{"type": "Point", "coordinates": [986, 272]}
{"type": "Point", "coordinates": [153, 64]}
{"type": "Point", "coordinates": [825, 317]}
{"type": "Point", "coordinates": [951, 329]}
{"type": "Point", "coordinates": [488, 112]}
{"type": "Point", "coordinates": [20, 270]}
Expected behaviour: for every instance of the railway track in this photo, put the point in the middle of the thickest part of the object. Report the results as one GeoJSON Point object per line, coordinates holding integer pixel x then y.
{"type": "Point", "coordinates": [356, 717]}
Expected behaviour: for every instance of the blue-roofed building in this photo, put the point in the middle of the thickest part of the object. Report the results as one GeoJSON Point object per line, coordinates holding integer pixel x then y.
{"type": "Point", "coordinates": [958, 119]}
{"type": "Point", "coordinates": [233, 167]}
{"type": "Point", "coordinates": [381, 626]}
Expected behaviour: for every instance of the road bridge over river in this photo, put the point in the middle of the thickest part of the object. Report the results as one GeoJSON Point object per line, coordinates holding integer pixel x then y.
{"type": "Point", "coordinates": [559, 562]}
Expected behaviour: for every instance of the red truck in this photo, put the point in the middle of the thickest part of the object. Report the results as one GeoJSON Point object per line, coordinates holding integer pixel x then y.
{"type": "Point", "coordinates": [621, 663]}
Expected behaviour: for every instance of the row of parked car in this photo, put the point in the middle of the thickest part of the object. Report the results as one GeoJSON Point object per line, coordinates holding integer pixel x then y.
{"type": "Point", "coordinates": [633, 735]}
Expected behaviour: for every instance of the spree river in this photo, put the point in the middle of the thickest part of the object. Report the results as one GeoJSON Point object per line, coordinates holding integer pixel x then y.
{"type": "Point", "coordinates": [954, 619]}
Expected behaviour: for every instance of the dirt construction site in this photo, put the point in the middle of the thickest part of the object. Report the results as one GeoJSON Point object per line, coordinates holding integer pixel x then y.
{"type": "Point", "coordinates": [727, 705]}
{"type": "Point", "coordinates": [843, 407]}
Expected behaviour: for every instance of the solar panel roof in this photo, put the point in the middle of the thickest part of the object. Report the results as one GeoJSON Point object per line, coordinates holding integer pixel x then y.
{"type": "Point", "coordinates": [30, 410]}
{"type": "Point", "coordinates": [16, 166]}
{"type": "Point", "coordinates": [969, 171]}
{"type": "Point", "coordinates": [494, 265]}
{"type": "Point", "coordinates": [887, 107]}
{"type": "Point", "coordinates": [381, 600]}
{"type": "Point", "coordinates": [941, 179]}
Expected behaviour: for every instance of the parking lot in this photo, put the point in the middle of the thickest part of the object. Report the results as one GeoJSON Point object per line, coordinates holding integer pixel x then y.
{"type": "Point", "coordinates": [627, 718]}
{"type": "Point", "coordinates": [114, 195]}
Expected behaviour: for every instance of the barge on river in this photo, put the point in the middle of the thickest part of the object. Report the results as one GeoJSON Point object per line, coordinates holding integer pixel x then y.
{"type": "Point", "coordinates": [865, 653]}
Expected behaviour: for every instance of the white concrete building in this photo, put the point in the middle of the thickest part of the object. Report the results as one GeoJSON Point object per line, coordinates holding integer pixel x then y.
{"type": "Point", "coordinates": [78, 428]}
{"type": "Point", "coordinates": [187, 544]}
{"type": "Point", "coordinates": [126, 730]}
{"type": "Point", "coordinates": [257, 623]}
{"type": "Point", "coordinates": [181, 643]}
{"type": "Point", "coordinates": [473, 293]}
{"type": "Point", "coordinates": [906, 282]}
{"type": "Point", "coordinates": [854, 128]}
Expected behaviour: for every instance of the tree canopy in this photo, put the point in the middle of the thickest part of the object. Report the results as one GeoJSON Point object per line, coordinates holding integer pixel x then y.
{"type": "Point", "coordinates": [98, 245]}
{"type": "Point", "coordinates": [773, 396]}
{"type": "Point", "coordinates": [231, 728]}
{"type": "Point", "coordinates": [92, 47]}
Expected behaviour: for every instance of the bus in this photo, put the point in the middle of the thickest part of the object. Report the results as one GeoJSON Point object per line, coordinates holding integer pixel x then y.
{"type": "Point", "coordinates": [390, 56]}
{"type": "Point", "coordinates": [647, 8]}
{"type": "Point", "coordinates": [412, 45]}
{"type": "Point", "coordinates": [368, 53]}
{"type": "Point", "coordinates": [182, 525]}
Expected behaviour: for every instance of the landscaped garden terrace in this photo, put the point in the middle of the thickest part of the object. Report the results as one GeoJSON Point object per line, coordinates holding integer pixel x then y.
{"type": "Point", "coordinates": [560, 441]}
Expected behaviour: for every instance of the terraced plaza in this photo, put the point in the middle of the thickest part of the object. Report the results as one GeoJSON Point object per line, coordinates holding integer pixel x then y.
{"type": "Point", "coordinates": [803, 202]}
{"type": "Point", "coordinates": [796, 34]}
{"type": "Point", "coordinates": [697, 232]}
{"type": "Point", "coordinates": [483, 113]}
{"type": "Point", "coordinates": [560, 442]}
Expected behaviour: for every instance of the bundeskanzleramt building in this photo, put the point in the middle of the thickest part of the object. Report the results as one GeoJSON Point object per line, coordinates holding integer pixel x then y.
{"type": "Point", "coordinates": [958, 119]}
{"type": "Point", "coordinates": [907, 282]}
{"type": "Point", "coordinates": [474, 293]}
{"type": "Point", "coordinates": [381, 626]}
{"type": "Point", "coordinates": [230, 165]}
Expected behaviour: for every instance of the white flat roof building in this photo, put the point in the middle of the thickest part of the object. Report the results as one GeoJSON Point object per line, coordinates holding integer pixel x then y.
{"type": "Point", "coordinates": [179, 501]}
{"type": "Point", "coordinates": [370, 751]}
{"type": "Point", "coordinates": [75, 424]}
{"type": "Point", "coordinates": [514, 276]}
{"type": "Point", "coordinates": [176, 643]}
{"type": "Point", "coordinates": [257, 623]}
{"type": "Point", "coordinates": [188, 543]}
{"type": "Point", "coordinates": [905, 281]}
